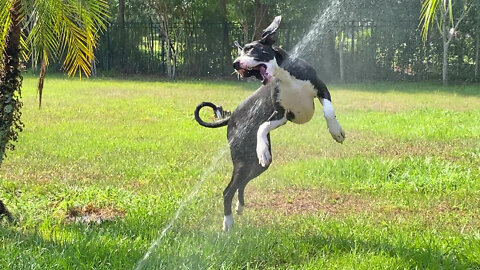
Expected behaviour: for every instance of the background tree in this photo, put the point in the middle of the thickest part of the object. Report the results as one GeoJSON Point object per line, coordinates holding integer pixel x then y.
{"type": "Point", "coordinates": [362, 35]}
{"type": "Point", "coordinates": [443, 12]}
{"type": "Point", "coordinates": [476, 34]}
{"type": "Point", "coordinates": [57, 29]}
{"type": "Point", "coordinates": [170, 14]}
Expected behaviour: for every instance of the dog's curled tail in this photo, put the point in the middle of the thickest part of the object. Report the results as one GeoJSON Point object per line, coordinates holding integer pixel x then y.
{"type": "Point", "coordinates": [224, 116]}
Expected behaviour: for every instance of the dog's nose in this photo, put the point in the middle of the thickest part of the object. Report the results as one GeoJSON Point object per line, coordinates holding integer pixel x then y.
{"type": "Point", "coordinates": [236, 65]}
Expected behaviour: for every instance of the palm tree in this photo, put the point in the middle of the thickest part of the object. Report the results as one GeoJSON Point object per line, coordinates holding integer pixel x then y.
{"type": "Point", "coordinates": [42, 30]}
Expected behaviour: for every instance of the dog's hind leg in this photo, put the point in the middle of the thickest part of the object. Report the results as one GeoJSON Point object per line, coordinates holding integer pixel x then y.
{"type": "Point", "coordinates": [240, 174]}
{"type": "Point", "coordinates": [255, 170]}
{"type": "Point", "coordinates": [241, 200]}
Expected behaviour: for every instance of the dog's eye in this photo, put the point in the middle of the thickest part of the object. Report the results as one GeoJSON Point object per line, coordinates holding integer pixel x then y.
{"type": "Point", "coordinates": [247, 48]}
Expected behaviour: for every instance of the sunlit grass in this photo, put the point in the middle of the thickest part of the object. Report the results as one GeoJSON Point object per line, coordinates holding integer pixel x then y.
{"type": "Point", "coordinates": [409, 168]}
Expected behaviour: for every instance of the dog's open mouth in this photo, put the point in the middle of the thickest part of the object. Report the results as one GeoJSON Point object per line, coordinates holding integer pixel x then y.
{"type": "Point", "coordinates": [259, 71]}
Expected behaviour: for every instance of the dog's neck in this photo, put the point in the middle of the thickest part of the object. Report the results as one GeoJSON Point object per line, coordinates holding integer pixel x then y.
{"type": "Point", "coordinates": [280, 57]}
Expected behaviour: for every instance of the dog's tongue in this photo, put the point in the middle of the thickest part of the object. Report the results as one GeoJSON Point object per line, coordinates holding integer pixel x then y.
{"type": "Point", "coordinates": [265, 76]}
{"type": "Point", "coordinates": [241, 72]}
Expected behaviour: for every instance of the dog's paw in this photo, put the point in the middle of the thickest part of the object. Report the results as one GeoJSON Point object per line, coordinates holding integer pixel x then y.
{"type": "Point", "coordinates": [264, 157]}
{"type": "Point", "coordinates": [227, 223]}
{"type": "Point", "coordinates": [336, 130]}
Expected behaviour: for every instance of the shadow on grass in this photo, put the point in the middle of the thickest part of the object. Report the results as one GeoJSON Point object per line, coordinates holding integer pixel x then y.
{"type": "Point", "coordinates": [412, 87]}
{"type": "Point", "coordinates": [116, 246]}
{"type": "Point", "coordinates": [253, 248]}
{"type": "Point", "coordinates": [72, 246]}
{"type": "Point", "coordinates": [419, 257]}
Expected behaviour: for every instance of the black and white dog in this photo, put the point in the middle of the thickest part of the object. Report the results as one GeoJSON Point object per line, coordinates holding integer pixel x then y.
{"type": "Point", "coordinates": [287, 94]}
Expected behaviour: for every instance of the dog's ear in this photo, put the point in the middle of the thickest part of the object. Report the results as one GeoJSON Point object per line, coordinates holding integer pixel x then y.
{"type": "Point", "coordinates": [268, 36]}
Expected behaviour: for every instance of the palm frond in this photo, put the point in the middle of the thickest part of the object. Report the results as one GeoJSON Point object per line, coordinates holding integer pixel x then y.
{"type": "Point", "coordinates": [43, 37]}
{"type": "Point", "coordinates": [80, 23]}
{"type": "Point", "coordinates": [5, 22]}
{"type": "Point", "coordinates": [427, 15]}
{"type": "Point", "coordinates": [59, 28]}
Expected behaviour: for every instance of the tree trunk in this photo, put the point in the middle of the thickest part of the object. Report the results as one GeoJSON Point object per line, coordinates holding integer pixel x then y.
{"type": "Point", "coordinates": [461, 57]}
{"type": "Point", "coordinates": [262, 18]}
{"type": "Point", "coordinates": [174, 54]}
{"type": "Point", "coordinates": [446, 43]}
{"type": "Point", "coordinates": [227, 55]}
{"type": "Point", "coordinates": [121, 32]}
{"type": "Point", "coordinates": [477, 55]}
{"type": "Point", "coordinates": [121, 13]}
{"type": "Point", "coordinates": [341, 58]}
{"type": "Point", "coordinates": [41, 77]}
{"type": "Point", "coordinates": [169, 57]}
{"type": "Point", "coordinates": [10, 82]}
{"type": "Point", "coordinates": [445, 63]}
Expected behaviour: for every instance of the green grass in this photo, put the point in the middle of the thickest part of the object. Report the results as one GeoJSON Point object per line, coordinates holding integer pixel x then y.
{"type": "Point", "coordinates": [402, 192]}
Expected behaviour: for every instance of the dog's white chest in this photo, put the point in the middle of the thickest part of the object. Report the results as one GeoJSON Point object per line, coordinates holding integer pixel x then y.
{"type": "Point", "coordinates": [296, 96]}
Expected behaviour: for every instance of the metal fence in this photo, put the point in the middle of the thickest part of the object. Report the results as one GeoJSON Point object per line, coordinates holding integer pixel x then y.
{"type": "Point", "coordinates": [358, 50]}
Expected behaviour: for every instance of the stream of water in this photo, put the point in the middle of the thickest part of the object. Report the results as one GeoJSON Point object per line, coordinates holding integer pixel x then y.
{"type": "Point", "coordinates": [318, 28]}
{"type": "Point", "coordinates": [315, 32]}
{"type": "Point", "coordinates": [216, 158]}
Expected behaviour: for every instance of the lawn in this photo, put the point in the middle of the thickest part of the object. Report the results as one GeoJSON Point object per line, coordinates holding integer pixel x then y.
{"type": "Point", "coordinates": [101, 170]}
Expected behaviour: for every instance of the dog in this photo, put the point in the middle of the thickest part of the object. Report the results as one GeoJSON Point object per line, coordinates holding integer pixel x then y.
{"type": "Point", "coordinates": [289, 86]}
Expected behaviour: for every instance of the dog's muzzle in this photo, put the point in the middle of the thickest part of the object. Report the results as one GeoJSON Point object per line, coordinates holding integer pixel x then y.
{"type": "Point", "coordinates": [259, 71]}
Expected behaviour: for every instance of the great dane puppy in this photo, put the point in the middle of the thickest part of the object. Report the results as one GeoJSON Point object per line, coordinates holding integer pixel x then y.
{"type": "Point", "coordinates": [287, 94]}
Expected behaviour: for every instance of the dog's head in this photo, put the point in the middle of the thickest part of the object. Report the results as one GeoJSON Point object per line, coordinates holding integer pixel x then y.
{"type": "Point", "coordinates": [258, 58]}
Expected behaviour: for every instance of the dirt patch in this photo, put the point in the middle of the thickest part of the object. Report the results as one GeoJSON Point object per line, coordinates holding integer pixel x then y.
{"type": "Point", "coordinates": [89, 214]}
{"type": "Point", "coordinates": [307, 201]}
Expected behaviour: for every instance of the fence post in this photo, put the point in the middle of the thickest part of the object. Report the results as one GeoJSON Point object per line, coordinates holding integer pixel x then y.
{"type": "Point", "coordinates": [226, 51]}
{"type": "Point", "coordinates": [108, 48]}
{"type": "Point", "coordinates": [163, 56]}
{"type": "Point", "coordinates": [352, 63]}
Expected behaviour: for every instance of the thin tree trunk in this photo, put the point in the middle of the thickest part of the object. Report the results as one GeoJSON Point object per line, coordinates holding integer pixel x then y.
{"type": "Point", "coordinates": [10, 82]}
{"type": "Point", "coordinates": [169, 58]}
{"type": "Point", "coordinates": [426, 50]}
{"type": "Point", "coordinates": [477, 54]}
{"type": "Point", "coordinates": [41, 77]}
{"type": "Point", "coordinates": [461, 57]}
{"type": "Point", "coordinates": [225, 46]}
{"type": "Point", "coordinates": [121, 13]}
{"type": "Point", "coordinates": [341, 58]}
{"type": "Point", "coordinates": [446, 44]}
{"type": "Point", "coordinates": [121, 32]}
{"type": "Point", "coordinates": [174, 58]}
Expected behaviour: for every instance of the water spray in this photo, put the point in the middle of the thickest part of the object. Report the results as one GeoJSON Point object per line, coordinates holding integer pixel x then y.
{"type": "Point", "coordinates": [216, 158]}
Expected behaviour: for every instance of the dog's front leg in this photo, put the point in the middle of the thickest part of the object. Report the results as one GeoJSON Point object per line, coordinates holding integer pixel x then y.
{"type": "Point", "coordinates": [333, 126]}
{"type": "Point", "coordinates": [324, 96]}
{"type": "Point", "coordinates": [277, 119]}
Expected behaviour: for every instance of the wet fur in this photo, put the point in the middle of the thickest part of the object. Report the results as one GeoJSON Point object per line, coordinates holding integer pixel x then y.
{"type": "Point", "coordinates": [264, 106]}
